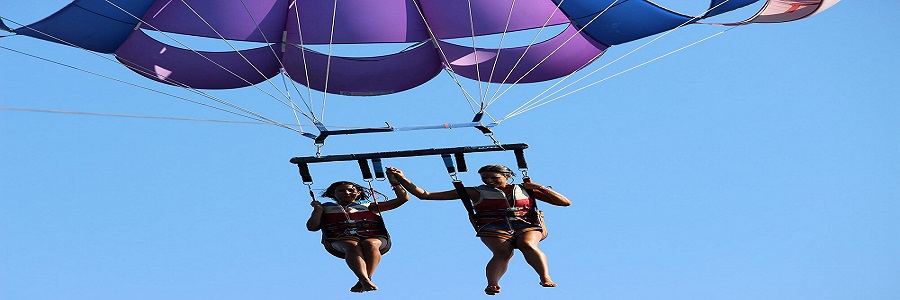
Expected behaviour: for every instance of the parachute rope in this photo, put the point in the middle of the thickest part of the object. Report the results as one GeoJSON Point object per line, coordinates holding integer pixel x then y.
{"type": "Point", "coordinates": [328, 63]}
{"type": "Point", "coordinates": [617, 74]}
{"type": "Point", "coordinates": [96, 114]}
{"type": "Point", "coordinates": [66, 112]}
{"type": "Point", "coordinates": [551, 53]}
{"type": "Point", "coordinates": [232, 48]}
{"type": "Point", "coordinates": [496, 97]}
{"type": "Point", "coordinates": [203, 56]}
{"type": "Point", "coordinates": [284, 80]}
{"type": "Point", "coordinates": [275, 54]}
{"type": "Point", "coordinates": [535, 102]}
{"type": "Point", "coordinates": [448, 67]}
{"type": "Point", "coordinates": [290, 103]}
{"type": "Point", "coordinates": [487, 95]}
{"type": "Point", "coordinates": [251, 115]}
{"type": "Point", "coordinates": [198, 92]}
{"type": "Point", "coordinates": [305, 67]}
{"type": "Point", "coordinates": [497, 57]}
{"type": "Point", "coordinates": [151, 73]}
{"type": "Point", "coordinates": [475, 52]}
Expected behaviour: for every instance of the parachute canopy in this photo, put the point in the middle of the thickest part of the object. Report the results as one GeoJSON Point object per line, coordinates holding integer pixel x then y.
{"type": "Point", "coordinates": [287, 27]}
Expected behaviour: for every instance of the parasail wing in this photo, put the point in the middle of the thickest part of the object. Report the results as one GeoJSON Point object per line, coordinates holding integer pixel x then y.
{"type": "Point", "coordinates": [254, 21]}
{"type": "Point", "coordinates": [196, 69]}
{"type": "Point", "coordinates": [778, 11]}
{"type": "Point", "coordinates": [4, 27]}
{"type": "Point", "coordinates": [96, 25]}
{"type": "Point", "coordinates": [560, 56]}
{"type": "Point", "coordinates": [366, 76]}
{"type": "Point", "coordinates": [356, 22]}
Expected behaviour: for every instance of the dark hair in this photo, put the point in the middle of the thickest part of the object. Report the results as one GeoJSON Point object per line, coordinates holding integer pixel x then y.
{"type": "Point", "coordinates": [363, 192]}
{"type": "Point", "coordinates": [497, 169]}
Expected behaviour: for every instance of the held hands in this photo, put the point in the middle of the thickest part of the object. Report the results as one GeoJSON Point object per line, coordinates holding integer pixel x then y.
{"type": "Point", "coordinates": [392, 178]}
{"type": "Point", "coordinates": [395, 176]}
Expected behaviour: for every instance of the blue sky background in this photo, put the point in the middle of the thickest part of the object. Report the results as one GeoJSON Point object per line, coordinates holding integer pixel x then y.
{"type": "Point", "coordinates": [760, 164]}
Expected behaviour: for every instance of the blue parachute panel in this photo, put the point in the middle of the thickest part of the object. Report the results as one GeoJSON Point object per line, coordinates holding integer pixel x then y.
{"type": "Point", "coordinates": [96, 25]}
{"type": "Point", "coordinates": [623, 22]}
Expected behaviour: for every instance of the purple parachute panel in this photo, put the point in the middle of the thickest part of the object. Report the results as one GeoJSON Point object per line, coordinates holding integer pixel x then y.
{"type": "Point", "coordinates": [202, 70]}
{"type": "Point", "coordinates": [557, 57]}
{"type": "Point", "coordinates": [367, 76]}
{"type": "Point", "coordinates": [99, 26]}
{"type": "Point", "coordinates": [234, 20]}
{"type": "Point", "coordinates": [355, 22]}
{"type": "Point", "coordinates": [452, 19]}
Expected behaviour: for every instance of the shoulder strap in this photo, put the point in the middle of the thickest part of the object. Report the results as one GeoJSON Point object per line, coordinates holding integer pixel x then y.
{"type": "Point", "coordinates": [529, 192]}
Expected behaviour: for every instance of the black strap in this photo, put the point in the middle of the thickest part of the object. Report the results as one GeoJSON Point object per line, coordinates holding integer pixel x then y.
{"type": "Point", "coordinates": [467, 202]}
{"type": "Point", "coordinates": [459, 186]}
{"type": "Point", "coordinates": [304, 173]}
{"type": "Point", "coordinates": [364, 169]}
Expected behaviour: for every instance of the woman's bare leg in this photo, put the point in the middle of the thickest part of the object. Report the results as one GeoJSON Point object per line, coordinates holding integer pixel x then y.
{"type": "Point", "coordinates": [502, 253]}
{"type": "Point", "coordinates": [528, 244]}
{"type": "Point", "coordinates": [371, 252]}
{"type": "Point", "coordinates": [354, 258]}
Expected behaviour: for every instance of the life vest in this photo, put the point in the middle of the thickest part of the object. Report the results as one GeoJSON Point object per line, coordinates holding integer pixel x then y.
{"type": "Point", "coordinates": [493, 205]}
{"type": "Point", "coordinates": [355, 221]}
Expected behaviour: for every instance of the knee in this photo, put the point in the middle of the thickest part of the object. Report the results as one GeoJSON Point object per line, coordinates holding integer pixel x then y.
{"type": "Point", "coordinates": [505, 254]}
{"type": "Point", "coordinates": [349, 247]}
{"type": "Point", "coordinates": [371, 244]}
{"type": "Point", "coordinates": [528, 245]}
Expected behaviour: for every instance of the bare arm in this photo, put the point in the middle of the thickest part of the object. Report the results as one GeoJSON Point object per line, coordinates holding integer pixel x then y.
{"type": "Point", "coordinates": [315, 219]}
{"type": "Point", "coordinates": [422, 193]}
{"type": "Point", "coordinates": [401, 194]}
{"type": "Point", "coordinates": [547, 195]}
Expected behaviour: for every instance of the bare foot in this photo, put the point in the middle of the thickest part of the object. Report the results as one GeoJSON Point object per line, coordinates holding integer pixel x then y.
{"type": "Point", "coordinates": [357, 288]}
{"type": "Point", "coordinates": [363, 286]}
{"type": "Point", "coordinates": [492, 289]}
{"type": "Point", "coordinates": [368, 286]}
{"type": "Point", "coordinates": [547, 282]}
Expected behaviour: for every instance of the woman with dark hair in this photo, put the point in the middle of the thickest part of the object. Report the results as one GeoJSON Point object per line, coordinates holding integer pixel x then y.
{"type": "Point", "coordinates": [353, 229]}
{"type": "Point", "coordinates": [506, 218]}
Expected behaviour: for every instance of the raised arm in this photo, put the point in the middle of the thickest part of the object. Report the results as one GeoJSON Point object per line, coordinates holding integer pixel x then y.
{"type": "Point", "coordinates": [422, 193]}
{"type": "Point", "coordinates": [547, 195]}
{"type": "Point", "coordinates": [401, 194]}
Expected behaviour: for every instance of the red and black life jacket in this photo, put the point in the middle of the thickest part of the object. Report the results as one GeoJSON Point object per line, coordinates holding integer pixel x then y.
{"type": "Point", "coordinates": [493, 205]}
{"type": "Point", "coordinates": [355, 221]}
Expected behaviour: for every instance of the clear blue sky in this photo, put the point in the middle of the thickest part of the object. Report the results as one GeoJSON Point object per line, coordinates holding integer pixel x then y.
{"type": "Point", "coordinates": [761, 164]}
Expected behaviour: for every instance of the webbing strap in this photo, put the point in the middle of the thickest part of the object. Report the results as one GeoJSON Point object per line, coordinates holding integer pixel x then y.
{"type": "Point", "coordinates": [379, 169]}
{"type": "Point", "coordinates": [304, 173]}
{"type": "Point", "coordinates": [520, 159]}
{"type": "Point", "coordinates": [458, 185]}
{"type": "Point", "coordinates": [467, 202]}
{"type": "Point", "coordinates": [530, 192]}
{"type": "Point", "coordinates": [460, 161]}
{"type": "Point", "coordinates": [448, 162]}
{"type": "Point", "coordinates": [364, 169]}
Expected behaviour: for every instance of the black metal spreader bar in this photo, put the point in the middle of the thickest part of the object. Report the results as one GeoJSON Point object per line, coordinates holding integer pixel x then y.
{"type": "Point", "coordinates": [407, 153]}
{"type": "Point", "coordinates": [362, 158]}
